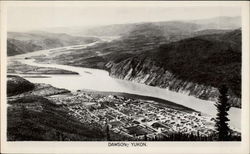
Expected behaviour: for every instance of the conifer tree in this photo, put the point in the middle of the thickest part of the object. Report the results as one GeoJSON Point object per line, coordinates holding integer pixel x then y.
{"type": "Point", "coordinates": [107, 132]}
{"type": "Point", "coordinates": [145, 137]}
{"type": "Point", "coordinates": [222, 119]}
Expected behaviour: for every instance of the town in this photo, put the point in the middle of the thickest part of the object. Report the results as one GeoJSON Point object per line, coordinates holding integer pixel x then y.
{"type": "Point", "coordinates": [134, 118]}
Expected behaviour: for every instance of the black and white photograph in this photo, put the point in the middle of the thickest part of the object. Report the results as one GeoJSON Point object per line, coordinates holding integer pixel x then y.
{"type": "Point", "coordinates": [124, 72]}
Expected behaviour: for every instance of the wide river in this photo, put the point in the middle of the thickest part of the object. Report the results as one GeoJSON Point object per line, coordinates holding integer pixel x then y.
{"type": "Point", "coordinates": [99, 80]}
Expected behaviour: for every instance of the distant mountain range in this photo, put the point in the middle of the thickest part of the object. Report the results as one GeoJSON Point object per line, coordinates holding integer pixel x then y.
{"type": "Point", "coordinates": [183, 27]}
{"type": "Point", "coordinates": [18, 43]}
{"type": "Point", "coordinates": [219, 23]}
{"type": "Point", "coordinates": [193, 57]}
{"type": "Point", "coordinates": [156, 32]}
{"type": "Point", "coordinates": [121, 29]}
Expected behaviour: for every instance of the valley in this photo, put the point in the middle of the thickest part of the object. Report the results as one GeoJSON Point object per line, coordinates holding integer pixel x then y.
{"type": "Point", "coordinates": [151, 82]}
{"type": "Point", "coordinates": [174, 66]}
{"type": "Point", "coordinates": [126, 116]}
{"type": "Point", "coordinates": [20, 43]}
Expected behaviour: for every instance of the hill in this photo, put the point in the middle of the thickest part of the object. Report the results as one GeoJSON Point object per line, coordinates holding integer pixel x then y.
{"type": "Point", "coordinates": [221, 22]}
{"type": "Point", "coordinates": [17, 85]}
{"type": "Point", "coordinates": [18, 43]}
{"type": "Point", "coordinates": [225, 23]}
{"type": "Point", "coordinates": [180, 56]}
{"type": "Point", "coordinates": [195, 65]}
{"type": "Point", "coordinates": [143, 38]}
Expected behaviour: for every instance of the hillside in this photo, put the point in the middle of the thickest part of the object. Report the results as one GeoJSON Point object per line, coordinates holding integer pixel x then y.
{"type": "Point", "coordinates": [17, 85]}
{"type": "Point", "coordinates": [166, 27]}
{"type": "Point", "coordinates": [143, 38]}
{"type": "Point", "coordinates": [195, 65]}
{"type": "Point", "coordinates": [219, 23]}
{"type": "Point", "coordinates": [18, 43]}
{"type": "Point", "coordinates": [33, 116]}
{"type": "Point", "coordinates": [46, 113]}
{"type": "Point", "coordinates": [180, 56]}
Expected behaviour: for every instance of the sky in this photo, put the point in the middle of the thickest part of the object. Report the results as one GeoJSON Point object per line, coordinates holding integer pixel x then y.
{"type": "Point", "coordinates": [39, 16]}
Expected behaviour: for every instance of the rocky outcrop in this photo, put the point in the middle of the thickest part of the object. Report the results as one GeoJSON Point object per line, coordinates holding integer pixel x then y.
{"type": "Point", "coordinates": [147, 71]}
{"type": "Point", "coordinates": [17, 85]}
{"type": "Point", "coordinates": [195, 66]}
{"type": "Point", "coordinates": [20, 87]}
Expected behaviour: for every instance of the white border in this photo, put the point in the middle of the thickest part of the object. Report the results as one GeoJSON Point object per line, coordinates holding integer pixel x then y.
{"type": "Point", "coordinates": [153, 147]}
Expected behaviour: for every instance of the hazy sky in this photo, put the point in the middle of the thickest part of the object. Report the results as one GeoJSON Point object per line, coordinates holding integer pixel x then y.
{"type": "Point", "coordinates": [27, 17]}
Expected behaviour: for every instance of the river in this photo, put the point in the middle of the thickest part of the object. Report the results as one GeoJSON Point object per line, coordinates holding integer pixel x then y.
{"type": "Point", "coordinates": [99, 80]}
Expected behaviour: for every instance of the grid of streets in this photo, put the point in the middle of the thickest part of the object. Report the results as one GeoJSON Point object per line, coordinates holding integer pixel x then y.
{"type": "Point", "coordinates": [134, 117]}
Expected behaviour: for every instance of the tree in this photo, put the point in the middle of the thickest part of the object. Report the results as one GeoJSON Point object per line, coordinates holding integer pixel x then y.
{"type": "Point", "coordinates": [145, 137]}
{"type": "Point", "coordinates": [107, 132]}
{"type": "Point", "coordinates": [221, 119]}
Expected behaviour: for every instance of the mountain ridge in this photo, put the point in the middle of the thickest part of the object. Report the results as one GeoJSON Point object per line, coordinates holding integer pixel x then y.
{"type": "Point", "coordinates": [124, 28]}
{"type": "Point", "coordinates": [180, 57]}
{"type": "Point", "coordinates": [200, 61]}
{"type": "Point", "coordinates": [19, 43]}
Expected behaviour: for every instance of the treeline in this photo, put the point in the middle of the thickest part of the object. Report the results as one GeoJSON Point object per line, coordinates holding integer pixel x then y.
{"type": "Point", "coordinates": [191, 137]}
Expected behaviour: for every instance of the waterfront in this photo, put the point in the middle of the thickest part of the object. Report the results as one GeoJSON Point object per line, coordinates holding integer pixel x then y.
{"type": "Point", "coordinates": [99, 80]}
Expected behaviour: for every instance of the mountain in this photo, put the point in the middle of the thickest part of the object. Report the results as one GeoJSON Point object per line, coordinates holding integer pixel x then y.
{"type": "Point", "coordinates": [18, 43]}
{"type": "Point", "coordinates": [210, 31]}
{"type": "Point", "coordinates": [222, 23]}
{"type": "Point", "coordinates": [219, 23]}
{"type": "Point", "coordinates": [109, 30]}
{"type": "Point", "coordinates": [15, 47]}
{"type": "Point", "coordinates": [197, 66]}
{"type": "Point", "coordinates": [165, 26]}
{"type": "Point", "coordinates": [141, 37]}
{"type": "Point", "coordinates": [122, 29]}
{"type": "Point", "coordinates": [176, 55]}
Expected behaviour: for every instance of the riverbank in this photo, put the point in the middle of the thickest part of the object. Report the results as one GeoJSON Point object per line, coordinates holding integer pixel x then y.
{"type": "Point", "coordinates": [44, 112]}
{"type": "Point", "coordinates": [32, 116]}
{"type": "Point", "coordinates": [16, 67]}
{"type": "Point", "coordinates": [99, 80]}
{"type": "Point", "coordinates": [54, 114]}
